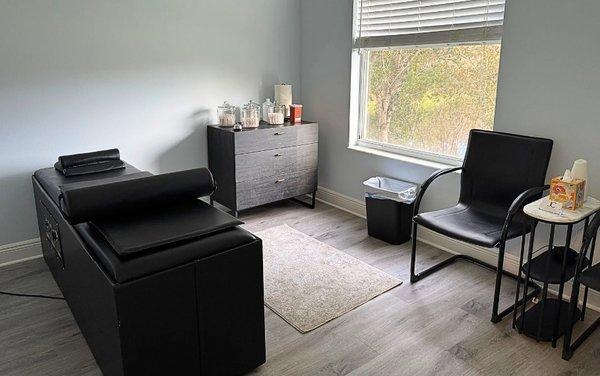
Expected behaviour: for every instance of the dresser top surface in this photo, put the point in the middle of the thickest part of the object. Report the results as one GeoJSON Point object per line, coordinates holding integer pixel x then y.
{"type": "Point", "coordinates": [263, 125]}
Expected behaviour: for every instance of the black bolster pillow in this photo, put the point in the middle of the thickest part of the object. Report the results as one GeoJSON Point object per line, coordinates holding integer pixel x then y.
{"type": "Point", "coordinates": [66, 161]}
{"type": "Point", "coordinates": [83, 204]}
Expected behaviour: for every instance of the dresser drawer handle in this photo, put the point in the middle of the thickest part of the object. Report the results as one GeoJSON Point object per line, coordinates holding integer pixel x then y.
{"type": "Point", "coordinates": [277, 155]}
{"type": "Point", "coordinates": [280, 180]}
{"type": "Point", "coordinates": [278, 133]}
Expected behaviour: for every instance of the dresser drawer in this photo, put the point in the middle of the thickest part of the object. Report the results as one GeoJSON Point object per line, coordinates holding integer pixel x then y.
{"type": "Point", "coordinates": [275, 138]}
{"type": "Point", "coordinates": [269, 189]}
{"type": "Point", "coordinates": [276, 162]}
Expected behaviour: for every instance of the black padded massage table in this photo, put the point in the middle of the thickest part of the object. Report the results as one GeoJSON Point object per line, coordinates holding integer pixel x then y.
{"type": "Point", "coordinates": [159, 282]}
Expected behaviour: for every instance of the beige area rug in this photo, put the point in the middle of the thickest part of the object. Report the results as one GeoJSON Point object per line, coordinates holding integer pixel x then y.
{"type": "Point", "coordinates": [309, 283]}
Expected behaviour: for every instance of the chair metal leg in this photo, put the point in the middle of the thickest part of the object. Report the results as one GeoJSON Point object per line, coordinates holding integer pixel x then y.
{"type": "Point", "coordinates": [414, 277]}
{"type": "Point", "coordinates": [495, 317]}
{"type": "Point", "coordinates": [585, 335]}
{"type": "Point", "coordinates": [527, 276]}
{"type": "Point", "coordinates": [567, 350]}
{"type": "Point", "coordinates": [521, 254]}
{"type": "Point", "coordinates": [585, 292]}
{"type": "Point", "coordinates": [413, 253]}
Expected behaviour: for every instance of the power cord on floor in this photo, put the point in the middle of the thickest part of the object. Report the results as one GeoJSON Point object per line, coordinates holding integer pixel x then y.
{"type": "Point", "coordinates": [32, 295]}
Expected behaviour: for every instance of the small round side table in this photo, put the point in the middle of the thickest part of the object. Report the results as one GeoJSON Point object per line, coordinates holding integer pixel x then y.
{"type": "Point", "coordinates": [547, 320]}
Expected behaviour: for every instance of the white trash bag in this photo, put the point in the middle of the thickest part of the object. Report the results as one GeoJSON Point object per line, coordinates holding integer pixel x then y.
{"type": "Point", "coordinates": [390, 189]}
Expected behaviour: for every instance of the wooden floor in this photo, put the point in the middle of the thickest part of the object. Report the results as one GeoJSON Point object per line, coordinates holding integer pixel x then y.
{"type": "Point", "coordinates": [438, 326]}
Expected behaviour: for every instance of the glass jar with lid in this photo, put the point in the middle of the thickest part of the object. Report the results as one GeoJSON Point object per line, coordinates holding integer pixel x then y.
{"type": "Point", "coordinates": [226, 114]}
{"type": "Point", "coordinates": [275, 113]}
{"type": "Point", "coordinates": [265, 108]}
{"type": "Point", "coordinates": [250, 115]}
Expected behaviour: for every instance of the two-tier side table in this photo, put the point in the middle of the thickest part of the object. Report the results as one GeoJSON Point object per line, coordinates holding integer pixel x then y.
{"type": "Point", "coordinates": [547, 320]}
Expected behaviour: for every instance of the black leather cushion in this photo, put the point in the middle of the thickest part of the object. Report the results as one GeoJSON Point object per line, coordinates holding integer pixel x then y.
{"type": "Point", "coordinates": [116, 199]}
{"type": "Point", "coordinates": [52, 180]}
{"type": "Point", "coordinates": [66, 161]}
{"type": "Point", "coordinates": [91, 168]}
{"type": "Point", "coordinates": [591, 277]}
{"type": "Point", "coordinates": [144, 230]}
{"type": "Point", "coordinates": [498, 167]}
{"type": "Point", "coordinates": [89, 163]}
{"type": "Point", "coordinates": [123, 269]}
{"type": "Point", "coordinates": [468, 224]}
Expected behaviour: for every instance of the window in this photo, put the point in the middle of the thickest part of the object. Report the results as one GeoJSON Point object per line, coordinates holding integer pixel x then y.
{"type": "Point", "coordinates": [427, 74]}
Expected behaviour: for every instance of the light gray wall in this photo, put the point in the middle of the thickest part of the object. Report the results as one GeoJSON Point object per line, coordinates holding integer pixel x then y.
{"type": "Point", "coordinates": [549, 86]}
{"type": "Point", "coordinates": [141, 75]}
{"type": "Point", "coordinates": [549, 80]}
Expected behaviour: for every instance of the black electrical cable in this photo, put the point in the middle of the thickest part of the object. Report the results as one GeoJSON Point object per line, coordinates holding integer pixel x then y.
{"type": "Point", "coordinates": [32, 295]}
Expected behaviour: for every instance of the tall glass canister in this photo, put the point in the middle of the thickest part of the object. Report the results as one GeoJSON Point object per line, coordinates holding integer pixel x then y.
{"type": "Point", "coordinates": [250, 115]}
{"type": "Point", "coordinates": [226, 114]}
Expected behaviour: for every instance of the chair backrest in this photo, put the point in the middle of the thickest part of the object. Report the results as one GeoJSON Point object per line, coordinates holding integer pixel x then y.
{"type": "Point", "coordinates": [589, 234]}
{"type": "Point", "coordinates": [500, 166]}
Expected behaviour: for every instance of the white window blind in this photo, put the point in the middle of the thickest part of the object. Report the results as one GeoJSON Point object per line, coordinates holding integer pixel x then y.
{"type": "Point", "coordinates": [388, 23]}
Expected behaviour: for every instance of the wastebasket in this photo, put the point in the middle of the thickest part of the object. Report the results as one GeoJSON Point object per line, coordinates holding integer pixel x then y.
{"type": "Point", "coordinates": [390, 206]}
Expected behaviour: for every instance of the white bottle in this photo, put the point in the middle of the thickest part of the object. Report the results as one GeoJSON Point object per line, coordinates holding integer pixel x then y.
{"type": "Point", "coordinates": [265, 109]}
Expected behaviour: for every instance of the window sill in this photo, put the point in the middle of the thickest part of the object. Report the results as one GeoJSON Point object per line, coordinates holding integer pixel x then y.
{"type": "Point", "coordinates": [402, 158]}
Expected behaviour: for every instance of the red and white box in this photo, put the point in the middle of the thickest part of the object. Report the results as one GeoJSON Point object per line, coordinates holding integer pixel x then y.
{"type": "Point", "coordinates": [295, 113]}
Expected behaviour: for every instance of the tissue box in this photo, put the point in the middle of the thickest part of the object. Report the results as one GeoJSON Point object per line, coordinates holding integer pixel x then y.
{"type": "Point", "coordinates": [569, 194]}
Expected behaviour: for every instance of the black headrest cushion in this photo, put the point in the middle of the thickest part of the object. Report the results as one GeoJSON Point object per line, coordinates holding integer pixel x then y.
{"type": "Point", "coordinates": [82, 204]}
{"type": "Point", "coordinates": [67, 161]}
{"type": "Point", "coordinates": [89, 163]}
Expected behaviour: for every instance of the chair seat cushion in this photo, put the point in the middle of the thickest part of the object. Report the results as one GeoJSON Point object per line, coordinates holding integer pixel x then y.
{"type": "Point", "coordinates": [591, 277]}
{"type": "Point", "coordinates": [467, 224]}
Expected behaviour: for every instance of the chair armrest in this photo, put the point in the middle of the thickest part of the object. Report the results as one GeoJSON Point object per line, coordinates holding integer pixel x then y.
{"type": "Point", "coordinates": [520, 200]}
{"type": "Point", "coordinates": [517, 204]}
{"type": "Point", "coordinates": [428, 182]}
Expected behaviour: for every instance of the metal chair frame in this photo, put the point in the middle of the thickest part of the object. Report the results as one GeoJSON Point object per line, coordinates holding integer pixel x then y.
{"type": "Point", "coordinates": [515, 207]}
{"type": "Point", "coordinates": [588, 244]}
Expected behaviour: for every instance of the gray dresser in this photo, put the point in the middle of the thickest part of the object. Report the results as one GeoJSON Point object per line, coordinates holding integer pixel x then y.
{"type": "Point", "coordinates": [263, 165]}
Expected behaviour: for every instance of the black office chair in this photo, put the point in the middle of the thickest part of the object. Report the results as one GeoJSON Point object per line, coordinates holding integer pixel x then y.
{"type": "Point", "coordinates": [501, 173]}
{"type": "Point", "coordinates": [590, 278]}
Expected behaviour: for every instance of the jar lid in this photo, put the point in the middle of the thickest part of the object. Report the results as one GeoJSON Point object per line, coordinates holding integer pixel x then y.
{"type": "Point", "coordinates": [225, 105]}
{"type": "Point", "coordinates": [252, 105]}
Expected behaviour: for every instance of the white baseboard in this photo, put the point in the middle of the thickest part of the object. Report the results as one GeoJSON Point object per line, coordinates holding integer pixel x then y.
{"type": "Point", "coordinates": [342, 202]}
{"type": "Point", "coordinates": [20, 251]}
{"type": "Point", "coordinates": [511, 262]}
